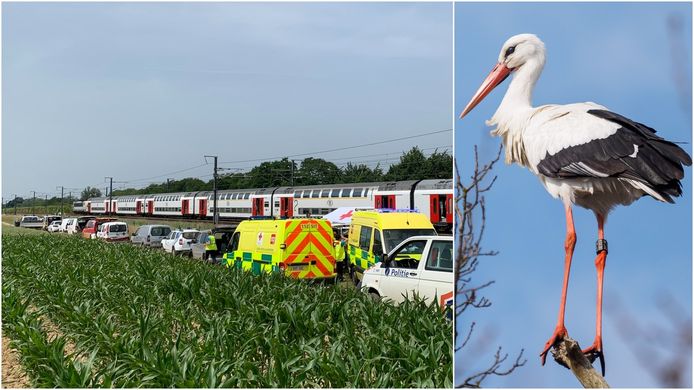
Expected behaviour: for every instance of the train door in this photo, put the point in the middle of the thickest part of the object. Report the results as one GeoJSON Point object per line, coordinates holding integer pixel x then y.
{"type": "Point", "coordinates": [385, 202]}
{"type": "Point", "coordinates": [89, 208]}
{"type": "Point", "coordinates": [138, 207]}
{"type": "Point", "coordinates": [449, 208]}
{"type": "Point", "coordinates": [257, 207]}
{"type": "Point", "coordinates": [107, 205]}
{"type": "Point", "coordinates": [150, 207]}
{"type": "Point", "coordinates": [114, 206]}
{"type": "Point", "coordinates": [202, 206]}
{"type": "Point", "coordinates": [286, 209]}
{"type": "Point", "coordinates": [438, 208]}
{"type": "Point", "coordinates": [185, 206]}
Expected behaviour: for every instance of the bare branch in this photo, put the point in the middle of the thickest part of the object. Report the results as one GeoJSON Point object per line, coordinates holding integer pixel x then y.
{"type": "Point", "coordinates": [471, 220]}
{"type": "Point", "coordinates": [568, 354]}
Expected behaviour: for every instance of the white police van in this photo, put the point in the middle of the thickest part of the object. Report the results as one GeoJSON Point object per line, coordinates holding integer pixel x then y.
{"type": "Point", "coordinates": [421, 265]}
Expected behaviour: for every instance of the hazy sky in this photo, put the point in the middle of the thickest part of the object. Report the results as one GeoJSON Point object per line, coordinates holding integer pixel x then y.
{"type": "Point", "coordinates": [142, 90]}
{"type": "Point", "coordinates": [623, 56]}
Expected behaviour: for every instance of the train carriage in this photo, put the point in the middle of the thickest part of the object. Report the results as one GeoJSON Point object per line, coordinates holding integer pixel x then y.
{"type": "Point", "coordinates": [126, 205]}
{"type": "Point", "coordinates": [433, 198]}
{"type": "Point", "coordinates": [231, 203]}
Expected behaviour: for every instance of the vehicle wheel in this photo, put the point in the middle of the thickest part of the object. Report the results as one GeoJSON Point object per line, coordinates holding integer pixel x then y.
{"type": "Point", "coordinates": [353, 274]}
{"type": "Point", "coordinates": [374, 296]}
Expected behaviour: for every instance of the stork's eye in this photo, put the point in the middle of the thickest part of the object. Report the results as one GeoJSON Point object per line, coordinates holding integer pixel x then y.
{"type": "Point", "coordinates": [510, 51]}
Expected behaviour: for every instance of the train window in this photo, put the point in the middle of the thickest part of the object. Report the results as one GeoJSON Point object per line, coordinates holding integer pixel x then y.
{"type": "Point", "coordinates": [346, 192]}
{"type": "Point", "coordinates": [366, 192]}
{"type": "Point", "coordinates": [248, 195]}
{"type": "Point", "coordinates": [297, 194]}
{"type": "Point", "coordinates": [325, 194]}
{"type": "Point", "coordinates": [315, 194]}
{"type": "Point", "coordinates": [235, 196]}
{"type": "Point", "coordinates": [266, 204]}
{"type": "Point", "coordinates": [306, 194]}
{"type": "Point", "coordinates": [335, 193]}
{"type": "Point", "coordinates": [357, 192]}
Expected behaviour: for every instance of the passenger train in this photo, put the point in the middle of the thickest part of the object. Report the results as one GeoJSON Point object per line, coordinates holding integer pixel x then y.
{"type": "Point", "coordinates": [431, 197]}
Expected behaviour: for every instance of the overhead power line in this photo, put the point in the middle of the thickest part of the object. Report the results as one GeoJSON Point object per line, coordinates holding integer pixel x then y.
{"type": "Point", "coordinates": [339, 149]}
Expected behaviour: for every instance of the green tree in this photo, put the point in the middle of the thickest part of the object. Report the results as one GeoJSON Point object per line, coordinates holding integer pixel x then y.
{"type": "Point", "coordinates": [271, 173]}
{"type": "Point", "coordinates": [317, 171]}
{"type": "Point", "coordinates": [440, 165]}
{"type": "Point", "coordinates": [360, 173]}
{"type": "Point", "coordinates": [413, 165]}
{"type": "Point", "coordinates": [90, 192]}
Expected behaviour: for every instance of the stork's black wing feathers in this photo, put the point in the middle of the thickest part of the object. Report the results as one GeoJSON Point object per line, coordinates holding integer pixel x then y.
{"type": "Point", "coordinates": [656, 163]}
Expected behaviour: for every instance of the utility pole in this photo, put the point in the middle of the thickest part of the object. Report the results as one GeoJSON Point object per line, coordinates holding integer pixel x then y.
{"type": "Point", "coordinates": [215, 218]}
{"type": "Point", "coordinates": [168, 187]}
{"type": "Point", "coordinates": [15, 206]}
{"type": "Point", "coordinates": [292, 174]}
{"type": "Point", "coordinates": [62, 192]}
{"type": "Point", "coordinates": [46, 205]}
{"type": "Point", "coordinates": [110, 194]}
{"type": "Point", "coordinates": [33, 202]}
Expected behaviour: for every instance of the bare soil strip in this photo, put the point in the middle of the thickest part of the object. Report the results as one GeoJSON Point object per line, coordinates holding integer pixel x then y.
{"type": "Point", "coordinates": [13, 374]}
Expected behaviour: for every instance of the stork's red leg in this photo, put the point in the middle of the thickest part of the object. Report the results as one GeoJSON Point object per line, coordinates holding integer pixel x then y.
{"type": "Point", "coordinates": [595, 350]}
{"type": "Point", "coordinates": [569, 245]}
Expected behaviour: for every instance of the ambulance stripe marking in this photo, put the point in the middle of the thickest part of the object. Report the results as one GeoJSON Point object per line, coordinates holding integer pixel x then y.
{"type": "Point", "coordinates": [297, 251]}
{"type": "Point", "coordinates": [292, 236]}
{"type": "Point", "coordinates": [324, 233]}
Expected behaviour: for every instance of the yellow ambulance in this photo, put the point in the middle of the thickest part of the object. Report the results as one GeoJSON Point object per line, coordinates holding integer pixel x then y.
{"type": "Point", "coordinates": [375, 232]}
{"type": "Point", "coordinates": [300, 248]}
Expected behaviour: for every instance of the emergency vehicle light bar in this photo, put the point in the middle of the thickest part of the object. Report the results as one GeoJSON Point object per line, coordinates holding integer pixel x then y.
{"type": "Point", "coordinates": [397, 210]}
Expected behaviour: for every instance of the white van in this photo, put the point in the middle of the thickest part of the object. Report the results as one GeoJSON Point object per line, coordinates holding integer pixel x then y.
{"type": "Point", "coordinates": [113, 232]}
{"type": "Point", "coordinates": [65, 223]}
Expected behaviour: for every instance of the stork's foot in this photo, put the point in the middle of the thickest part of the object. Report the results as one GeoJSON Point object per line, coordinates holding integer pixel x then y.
{"type": "Point", "coordinates": [558, 335]}
{"type": "Point", "coordinates": [595, 352]}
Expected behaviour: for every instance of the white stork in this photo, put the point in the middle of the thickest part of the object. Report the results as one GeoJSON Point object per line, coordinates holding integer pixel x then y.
{"type": "Point", "coordinates": [582, 153]}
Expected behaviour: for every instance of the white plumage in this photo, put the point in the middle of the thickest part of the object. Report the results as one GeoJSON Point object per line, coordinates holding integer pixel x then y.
{"type": "Point", "coordinates": [582, 153]}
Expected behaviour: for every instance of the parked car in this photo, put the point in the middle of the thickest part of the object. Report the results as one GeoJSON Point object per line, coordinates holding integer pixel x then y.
{"type": "Point", "coordinates": [64, 224]}
{"type": "Point", "coordinates": [179, 241]}
{"type": "Point", "coordinates": [150, 235]}
{"type": "Point", "coordinates": [31, 222]}
{"type": "Point", "coordinates": [54, 227]}
{"type": "Point", "coordinates": [421, 265]}
{"type": "Point", "coordinates": [222, 235]}
{"type": "Point", "coordinates": [92, 226]}
{"type": "Point", "coordinates": [48, 220]}
{"type": "Point", "coordinates": [80, 224]}
{"type": "Point", "coordinates": [113, 231]}
{"type": "Point", "coordinates": [197, 247]}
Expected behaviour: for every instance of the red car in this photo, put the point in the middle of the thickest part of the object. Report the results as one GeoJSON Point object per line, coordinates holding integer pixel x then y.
{"type": "Point", "coordinates": [89, 230]}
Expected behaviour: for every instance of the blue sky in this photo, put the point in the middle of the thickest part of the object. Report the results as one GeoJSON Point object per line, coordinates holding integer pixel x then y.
{"type": "Point", "coordinates": [137, 90]}
{"type": "Point", "coordinates": [619, 55]}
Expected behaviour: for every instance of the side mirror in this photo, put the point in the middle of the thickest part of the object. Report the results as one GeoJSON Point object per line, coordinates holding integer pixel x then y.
{"type": "Point", "coordinates": [387, 261]}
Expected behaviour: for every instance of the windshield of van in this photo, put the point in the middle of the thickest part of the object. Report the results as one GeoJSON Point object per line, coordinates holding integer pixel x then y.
{"type": "Point", "coordinates": [118, 228]}
{"type": "Point", "coordinates": [393, 237]}
{"type": "Point", "coordinates": [160, 231]}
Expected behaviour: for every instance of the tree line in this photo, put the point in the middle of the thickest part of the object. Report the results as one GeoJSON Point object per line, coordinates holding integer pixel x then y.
{"type": "Point", "coordinates": [413, 165]}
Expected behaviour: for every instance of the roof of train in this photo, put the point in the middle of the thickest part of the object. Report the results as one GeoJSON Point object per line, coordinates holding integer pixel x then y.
{"type": "Point", "coordinates": [383, 186]}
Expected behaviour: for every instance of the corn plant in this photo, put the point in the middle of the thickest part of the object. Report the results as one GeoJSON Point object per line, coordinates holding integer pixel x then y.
{"type": "Point", "coordinates": [140, 318]}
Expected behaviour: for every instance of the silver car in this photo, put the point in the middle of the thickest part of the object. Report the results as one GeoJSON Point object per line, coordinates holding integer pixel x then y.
{"type": "Point", "coordinates": [150, 235]}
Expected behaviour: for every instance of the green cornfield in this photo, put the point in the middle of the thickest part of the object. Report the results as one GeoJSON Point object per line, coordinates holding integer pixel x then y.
{"type": "Point", "coordinates": [90, 314]}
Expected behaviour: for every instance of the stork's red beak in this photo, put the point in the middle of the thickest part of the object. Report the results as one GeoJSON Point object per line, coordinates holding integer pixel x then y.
{"type": "Point", "coordinates": [495, 77]}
